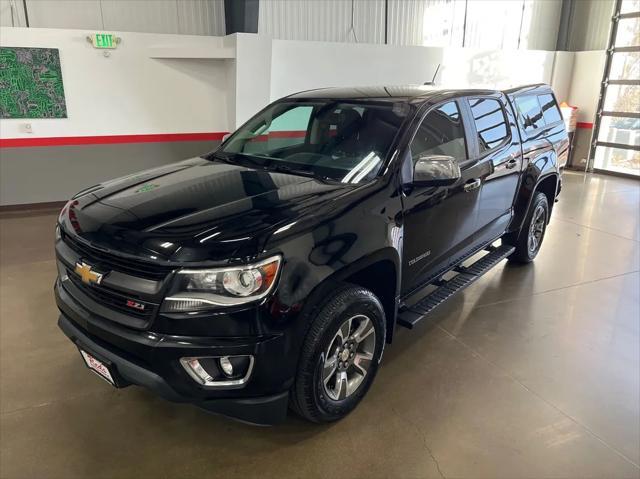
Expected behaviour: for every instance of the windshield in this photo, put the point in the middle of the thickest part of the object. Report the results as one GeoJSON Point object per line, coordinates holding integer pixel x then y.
{"type": "Point", "coordinates": [341, 141]}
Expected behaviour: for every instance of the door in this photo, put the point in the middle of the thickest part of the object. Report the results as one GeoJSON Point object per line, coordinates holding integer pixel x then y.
{"type": "Point", "coordinates": [500, 152]}
{"type": "Point", "coordinates": [439, 221]}
{"type": "Point", "coordinates": [616, 136]}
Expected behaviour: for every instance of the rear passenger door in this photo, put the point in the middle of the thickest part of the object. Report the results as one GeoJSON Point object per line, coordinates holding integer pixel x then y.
{"type": "Point", "coordinates": [498, 147]}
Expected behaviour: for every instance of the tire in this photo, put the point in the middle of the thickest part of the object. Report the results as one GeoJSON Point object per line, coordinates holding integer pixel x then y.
{"type": "Point", "coordinates": [319, 396]}
{"type": "Point", "coordinates": [528, 239]}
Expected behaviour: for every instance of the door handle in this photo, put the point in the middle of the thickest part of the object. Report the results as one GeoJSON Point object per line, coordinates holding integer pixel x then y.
{"type": "Point", "coordinates": [511, 163]}
{"type": "Point", "coordinates": [472, 185]}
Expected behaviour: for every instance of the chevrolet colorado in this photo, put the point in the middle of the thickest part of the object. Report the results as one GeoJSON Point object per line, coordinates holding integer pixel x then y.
{"type": "Point", "coordinates": [271, 272]}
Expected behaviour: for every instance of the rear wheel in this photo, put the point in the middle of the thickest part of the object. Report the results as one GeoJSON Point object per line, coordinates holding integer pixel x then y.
{"type": "Point", "coordinates": [340, 355]}
{"type": "Point", "coordinates": [529, 239]}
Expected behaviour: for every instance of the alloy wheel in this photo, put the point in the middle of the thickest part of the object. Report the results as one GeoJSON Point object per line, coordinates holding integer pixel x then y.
{"type": "Point", "coordinates": [347, 360]}
{"type": "Point", "coordinates": [536, 229]}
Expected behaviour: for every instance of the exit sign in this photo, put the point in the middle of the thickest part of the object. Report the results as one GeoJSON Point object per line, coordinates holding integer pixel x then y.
{"type": "Point", "coordinates": [104, 40]}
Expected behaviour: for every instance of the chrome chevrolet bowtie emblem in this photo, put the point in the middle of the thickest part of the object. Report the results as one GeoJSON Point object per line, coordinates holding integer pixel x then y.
{"type": "Point", "coordinates": [87, 274]}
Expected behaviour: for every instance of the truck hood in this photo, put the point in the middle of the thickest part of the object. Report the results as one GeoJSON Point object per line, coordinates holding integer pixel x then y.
{"type": "Point", "coordinates": [195, 210]}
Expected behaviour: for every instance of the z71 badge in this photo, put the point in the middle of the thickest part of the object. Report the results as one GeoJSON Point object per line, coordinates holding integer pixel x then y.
{"type": "Point", "coordinates": [135, 305]}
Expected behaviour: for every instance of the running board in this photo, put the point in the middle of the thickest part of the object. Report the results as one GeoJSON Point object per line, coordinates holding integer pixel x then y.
{"type": "Point", "coordinates": [464, 277]}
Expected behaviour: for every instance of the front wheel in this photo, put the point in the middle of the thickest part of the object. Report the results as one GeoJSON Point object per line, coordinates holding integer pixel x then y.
{"type": "Point", "coordinates": [529, 238]}
{"type": "Point", "coordinates": [340, 355]}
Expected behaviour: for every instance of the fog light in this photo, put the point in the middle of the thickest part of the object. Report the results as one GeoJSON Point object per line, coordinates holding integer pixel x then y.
{"type": "Point", "coordinates": [219, 372]}
{"type": "Point", "coordinates": [226, 366]}
{"type": "Point", "coordinates": [193, 366]}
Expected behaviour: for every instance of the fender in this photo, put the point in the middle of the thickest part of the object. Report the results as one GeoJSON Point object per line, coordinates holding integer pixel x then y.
{"type": "Point", "coordinates": [375, 271]}
{"type": "Point", "coordinates": [543, 166]}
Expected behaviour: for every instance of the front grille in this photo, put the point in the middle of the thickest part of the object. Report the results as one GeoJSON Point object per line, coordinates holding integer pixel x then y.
{"type": "Point", "coordinates": [113, 300]}
{"type": "Point", "coordinates": [107, 261]}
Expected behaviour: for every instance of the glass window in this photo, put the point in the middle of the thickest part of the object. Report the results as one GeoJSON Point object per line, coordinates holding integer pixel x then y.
{"type": "Point", "coordinates": [490, 122]}
{"type": "Point", "coordinates": [530, 112]}
{"type": "Point", "coordinates": [629, 6]}
{"type": "Point", "coordinates": [625, 65]}
{"type": "Point", "coordinates": [621, 160]}
{"type": "Point", "coordinates": [623, 130]}
{"type": "Point", "coordinates": [440, 133]}
{"type": "Point", "coordinates": [342, 141]}
{"type": "Point", "coordinates": [622, 98]}
{"type": "Point", "coordinates": [287, 129]}
{"type": "Point", "coordinates": [550, 110]}
{"type": "Point", "coordinates": [628, 32]}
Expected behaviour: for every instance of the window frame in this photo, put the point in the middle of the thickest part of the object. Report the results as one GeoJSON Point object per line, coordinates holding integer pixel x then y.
{"type": "Point", "coordinates": [555, 101]}
{"type": "Point", "coordinates": [521, 118]}
{"type": "Point", "coordinates": [420, 117]}
{"type": "Point", "coordinates": [505, 142]}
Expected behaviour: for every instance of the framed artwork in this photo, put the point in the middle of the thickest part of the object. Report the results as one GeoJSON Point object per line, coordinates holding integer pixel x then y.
{"type": "Point", "coordinates": [31, 83]}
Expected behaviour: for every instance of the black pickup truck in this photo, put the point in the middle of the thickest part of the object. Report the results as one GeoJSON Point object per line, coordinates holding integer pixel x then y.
{"type": "Point", "coordinates": [271, 272]}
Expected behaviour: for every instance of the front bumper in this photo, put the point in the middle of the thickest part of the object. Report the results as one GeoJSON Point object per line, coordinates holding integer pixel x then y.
{"type": "Point", "coordinates": [151, 360]}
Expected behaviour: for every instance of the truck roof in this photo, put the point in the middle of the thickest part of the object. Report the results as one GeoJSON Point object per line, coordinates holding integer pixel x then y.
{"type": "Point", "coordinates": [403, 93]}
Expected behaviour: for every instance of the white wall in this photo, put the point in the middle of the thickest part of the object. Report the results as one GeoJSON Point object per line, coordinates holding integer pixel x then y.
{"type": "Point", "coordinates": [585, 84]}
{"type": "Point", "coordinates": [253, 75]}
{"type": "Point", "coordinates": [562, 76]}
{"type": "Point", "coordinates": [300, 65]}
{"type": "Point", "coordinates": [128, 92]}
{"type": "Point", "coordinates": [499, 69]}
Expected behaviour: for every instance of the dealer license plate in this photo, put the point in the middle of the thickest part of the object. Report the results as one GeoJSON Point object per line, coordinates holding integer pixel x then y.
{"type": "Point", "coordinates": [98, 367]}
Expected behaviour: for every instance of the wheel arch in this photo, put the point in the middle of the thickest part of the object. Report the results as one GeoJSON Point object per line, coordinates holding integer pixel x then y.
{"type": "Point", "coordinates": [379, 272]}
{"type": "Point", "coordinates": [547, 184]}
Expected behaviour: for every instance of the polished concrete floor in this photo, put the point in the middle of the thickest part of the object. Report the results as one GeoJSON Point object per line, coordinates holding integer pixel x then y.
{"type": "Point", "coordinates": [532, 372]}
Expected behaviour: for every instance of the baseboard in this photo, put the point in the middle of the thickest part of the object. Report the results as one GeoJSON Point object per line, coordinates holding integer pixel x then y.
{"type": "Point", "coordinates": [31, 209]}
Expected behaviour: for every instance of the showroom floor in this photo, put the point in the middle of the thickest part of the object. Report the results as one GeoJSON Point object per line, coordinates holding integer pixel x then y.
{"type": "Point", "coordinates": [532, 372]}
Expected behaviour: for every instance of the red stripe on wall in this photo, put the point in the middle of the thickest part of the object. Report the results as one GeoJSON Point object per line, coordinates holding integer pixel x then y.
{"type": "Point", "coordinates": [280, 134]}
{"type": "Point", "coordinates": [587, 126]}
{"type": "Point", "coordinates": [109, 140]}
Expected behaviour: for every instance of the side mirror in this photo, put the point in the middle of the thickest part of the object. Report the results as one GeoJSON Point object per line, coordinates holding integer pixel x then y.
{"type": "Point", "coordinates": [436, 170]}
{"type": "Point", "coordinates": [225, 136]}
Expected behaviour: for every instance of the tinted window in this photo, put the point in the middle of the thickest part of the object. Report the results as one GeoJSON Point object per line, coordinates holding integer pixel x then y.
{"type": "Point", "coordinates": [490, 122]}
{"type": "Point", "coordinates": [549, 109]}
{"type": "Point", "coordinates": [344, 141]}
{"type": "Point", "coordinates": [530, 111]}
{"type": "Point", "coordinates": [285, 130]}
{"type": "Point", "coordinates": [441, 133]}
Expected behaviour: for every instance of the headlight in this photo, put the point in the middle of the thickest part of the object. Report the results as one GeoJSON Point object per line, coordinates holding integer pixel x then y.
{"type": "Point", "coordinates": [202, 289]}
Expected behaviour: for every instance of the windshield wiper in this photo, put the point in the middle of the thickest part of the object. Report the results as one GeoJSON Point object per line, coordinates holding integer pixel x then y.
{"type": "Point", "coordinates": [291, 171]}
{"type": "Point", "coordinates": [216, 155]}
{"type": "Point", "coordinates": [235, 159]}
{"type": "Point", "coordinates": [269, 166]}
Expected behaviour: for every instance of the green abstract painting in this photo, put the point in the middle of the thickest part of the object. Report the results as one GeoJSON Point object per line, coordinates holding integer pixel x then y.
{"type": "Point", "coordinates": [31, 83]}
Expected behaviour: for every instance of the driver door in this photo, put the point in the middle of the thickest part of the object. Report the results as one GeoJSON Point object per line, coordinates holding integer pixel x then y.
{"type": "Point", "coordinates": [439, 221]}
